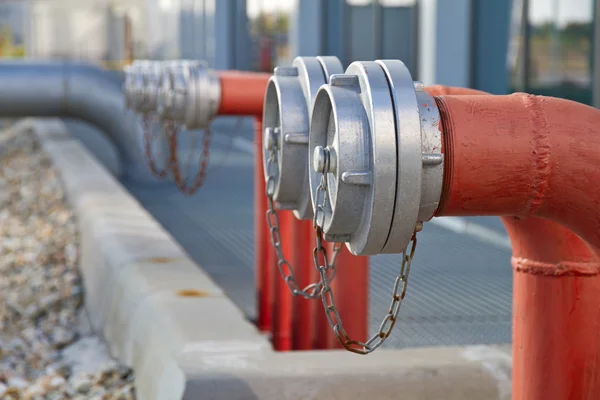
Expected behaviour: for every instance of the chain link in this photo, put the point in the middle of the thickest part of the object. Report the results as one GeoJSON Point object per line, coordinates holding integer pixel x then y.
{"type": "Point", "coordinates": [147, 119]}
{"type": "Point", "coordinates": [327, 269]}
{"type": "Point", "coordinates": [180, 178]}
{"type": "Point", "coordinates": [333, 316]}
{"type": "Point", "coordinates": [313, 290]}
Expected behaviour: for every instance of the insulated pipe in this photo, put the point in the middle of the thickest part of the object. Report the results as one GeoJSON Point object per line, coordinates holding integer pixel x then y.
{"type": "Point", "coordinates": [74, 90]}
{"type": "Point", "coordinates": [527, 156]}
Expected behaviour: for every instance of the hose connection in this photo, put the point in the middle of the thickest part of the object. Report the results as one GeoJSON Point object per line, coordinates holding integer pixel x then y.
{"type": "Point", "coordinates": [286, 118]}
{"type": "Point", "coordinates": [134, 84]}
{"type": "Point", "coordinates": [375, 139]}
{"type": "Point", "coordinates": [189, 94]}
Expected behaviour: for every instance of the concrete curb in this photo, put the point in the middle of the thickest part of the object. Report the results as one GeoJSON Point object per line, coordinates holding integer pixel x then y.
{"type": "Point", "coordinates": [163, 316]}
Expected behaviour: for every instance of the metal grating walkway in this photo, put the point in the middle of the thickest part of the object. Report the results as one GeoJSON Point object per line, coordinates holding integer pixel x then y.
{"type": "Point", "coordinates": [460, 287]}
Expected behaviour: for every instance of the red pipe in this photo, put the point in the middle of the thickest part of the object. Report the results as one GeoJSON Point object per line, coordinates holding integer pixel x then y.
{"type": "Point", "coordinates": [525, 156]}
{"type": "Point", "coordinates": [351, 289]}
{"type": "Point", "coordinates": [283, 302]}
{"type": "Point", "coordinates": [291, 321]}
{"type": "Point", "coordinates": [534, 156]}
{"type": "Point", "coordinates": [303, 327]}
{"type": "Point", "coordinates": [264, 254]}
{"type": "Point", "coordinates": [242, 93]}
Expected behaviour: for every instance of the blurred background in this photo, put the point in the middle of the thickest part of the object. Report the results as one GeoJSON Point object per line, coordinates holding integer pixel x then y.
{"type": "Point", "coordinates": [461, 281]}
{"type": "Point", "coordinates": [539, 46]}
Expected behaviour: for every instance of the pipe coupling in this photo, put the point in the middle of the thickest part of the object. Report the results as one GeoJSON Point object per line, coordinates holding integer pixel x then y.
{"type": "Point", "coordinates": [128, 71]}
{"type": "Point", "coordinates": [286, 120]}
{"type": "Point", "coordinates": [151, 77]}
{"type": "Point", "coordinates": [134, 83]}
{"type": "Point", "coordinates": [189, 94]}
{"type": "Point", "coordinates": [170, 87]}
{"type": "Point", "coordinates": [375, 138]}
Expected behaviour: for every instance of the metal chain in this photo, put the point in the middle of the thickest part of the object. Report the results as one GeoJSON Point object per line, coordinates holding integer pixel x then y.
{"type": "Point", "coordinates": [313, 290]}
{"type": "Point", "coordinates": [147, 119]}
{"type": "Point", "coordinates": [179, 178]}
{"type": "Point", "coordinates": [333, 316]}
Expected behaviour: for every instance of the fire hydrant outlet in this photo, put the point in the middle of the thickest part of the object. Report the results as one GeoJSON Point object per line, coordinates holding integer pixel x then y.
{"type": "Point", "coordinates": [287, 108]}
{"type": "Point", "coordinates": [375, 136]}
{"type": "Point", "coordinates": [134, 84]}
{"type": "Point", "coordinates": [202, 97]}
{"type": "Point", "coordinates": [149, 100]}
{"type": "Point", "coordinates": [165, 102]}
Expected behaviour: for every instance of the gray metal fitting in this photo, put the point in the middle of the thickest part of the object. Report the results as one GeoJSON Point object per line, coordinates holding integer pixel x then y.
{"type": "Point", "coordinates": [151, 73]}
{"type": "Point", "coordinates": [128, 71]}
{"type": "Point", "coordinates": [171, 77]}
{"type": "Point", "coordinates": [134, 83]}
{"type": "Point", "coordinates": [202, 96]}
{"type": "Point", "coordinates": [189, 94]}
{"type": "Point", "coordinates": [375, 135]}
{"type": "Point", "coordinates": [286, 118]}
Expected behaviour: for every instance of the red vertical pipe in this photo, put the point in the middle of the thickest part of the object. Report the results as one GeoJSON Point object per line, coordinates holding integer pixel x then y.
{"type": "Point", "coordinates": [242, 93]}
{"type": "Point", "coordinates": [303, 326]}
{"type": "Point", "coordinates": [324, 337]}
{"type": "Point", "coordinates": [263, 252]}
{"type": "Point", "coordinates": [351, 289]}
{"type": "Point", "coordinates": [527, 156]}
{"type": "Point", "coordinates": [283, 303]}
{"type": "Point", "coordinates": [556, 297]}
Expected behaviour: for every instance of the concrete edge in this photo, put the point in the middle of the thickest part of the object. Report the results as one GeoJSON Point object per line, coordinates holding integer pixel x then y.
{"type": "Point", "coordinates": [163, 316]}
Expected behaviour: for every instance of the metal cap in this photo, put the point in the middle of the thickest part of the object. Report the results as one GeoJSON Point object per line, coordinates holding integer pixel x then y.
{"type": "Point", "coordinates": [170, 73]}
{"type": "Point", "coordinates": [376, 138]}
{"type": "Point", "coordinates": [189, 94]}
{"type": "Point", "coordinates": [134, 83]}
{"type": "Point", "coordinates": [128, 85]}
{"type": "Point", "coordinates": [286, 118]}
{"type": "Point", "coordinates": [151, 76]}
{"type": "Point", "coordinates": [202, 96]}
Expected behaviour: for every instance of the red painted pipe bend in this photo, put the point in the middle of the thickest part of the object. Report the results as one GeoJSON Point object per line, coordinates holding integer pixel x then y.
{"type": "Point", "coordinates": [533, 160]}
{"type": "Point", "coordinates": [242, 93]}
{"type": "Point", "coordinates": [523, 155]}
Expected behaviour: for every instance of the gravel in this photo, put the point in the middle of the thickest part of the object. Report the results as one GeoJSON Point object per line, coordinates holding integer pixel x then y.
{"type": "Point", "coordinates": [46, 349]}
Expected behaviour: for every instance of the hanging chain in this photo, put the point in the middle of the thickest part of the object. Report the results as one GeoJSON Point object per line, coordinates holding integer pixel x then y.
{"type": "Point", "coordinates": [313, 290]}
{"type": "Point", "coordinates": [147, 119]}
{"type": "Point", "coordinates": [333, 316]}
{"type": "Point", "coordinates": [179, 178]}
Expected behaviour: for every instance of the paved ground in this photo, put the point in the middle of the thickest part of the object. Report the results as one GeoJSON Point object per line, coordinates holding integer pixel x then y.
{"type": "Point", "coordinates": [461, 281]}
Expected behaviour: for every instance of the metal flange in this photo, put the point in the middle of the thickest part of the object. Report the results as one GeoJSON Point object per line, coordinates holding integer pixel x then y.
{"type": "Point", "coordinates": [376, 139]}
{"type": "Point", "coordinates": [165, 101]}
{"type": "Point", "coordinates": [134, 84]}
{"type": "Point", "coordinates": [151, 77]}
{"type": "Point", "coordinates": [286, 118]}
{"type": "Point", "coordinates": [202, 96]}
{"type": "Point", "coordinates": [128, 71]}
{"type": "Point", "coordinates": [189, 94]}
